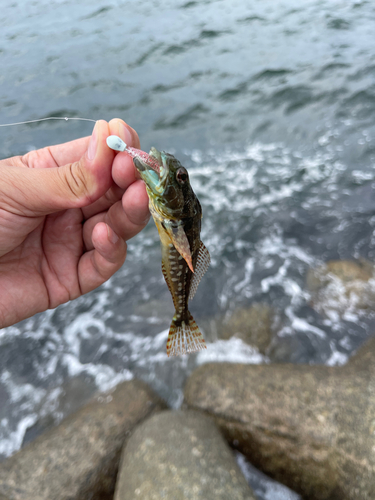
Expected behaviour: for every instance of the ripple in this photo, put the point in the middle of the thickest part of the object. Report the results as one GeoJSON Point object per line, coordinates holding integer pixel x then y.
{"type": "Point", "coordinates": [331, 69]}
{"type": "Point", "coordinates": [211, 33]}
{"type": "Point", "coordinates": [98, 12]}
{"type": "Point", "coordinates": [250, 19]}
{"type": "Point", "coordinates": [293, 97]}
{"type": "Point", "coordinates": [146, 55]}
{"type": "Point", "coordinates": [193, 113]}
{"type": "Point", "coordinates": [178, 49]}
{"type": "Point", "coordinates": [363, 73]}
{"type": "Point", "coordinates": [338, 24]}
{"type": "Point", "coordinates": [162, 88]}
{"type": "Point", "coordinates": [362, 103]}
{"type": "Point", "coordinates": [188, 5]}
{"type": "Point", "coordinates": [233, 93]}
{"type": "Point", "coordinates": [268, 74]}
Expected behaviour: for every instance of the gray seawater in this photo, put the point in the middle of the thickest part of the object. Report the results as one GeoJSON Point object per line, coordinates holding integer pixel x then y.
{"type": "Point", "coordinates": [270, 106]}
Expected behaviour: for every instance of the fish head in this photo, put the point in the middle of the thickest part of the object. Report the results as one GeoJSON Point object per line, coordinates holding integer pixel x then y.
{"type": "Point", "coordinates": [167, 181]}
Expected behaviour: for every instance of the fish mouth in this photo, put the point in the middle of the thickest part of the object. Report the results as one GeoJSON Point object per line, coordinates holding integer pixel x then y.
{"type": "Point", "coordinates": [153, 170]}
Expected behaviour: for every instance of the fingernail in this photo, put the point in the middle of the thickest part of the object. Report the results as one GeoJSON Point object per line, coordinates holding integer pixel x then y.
{"type": "Point", "coordinates": [112, 236]}
{"type": "Point", "coordinates": [126, 135]}
{"type": "Point", "coordinates": [92, 146]}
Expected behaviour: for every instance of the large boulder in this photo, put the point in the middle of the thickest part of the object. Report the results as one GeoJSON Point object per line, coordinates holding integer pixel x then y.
{"type": "Point", "coordinates": [179, 456]}
{"type": "Point", "coordinates": [310, 427]}
{"type": "Point", "coordinates": [79, 458]}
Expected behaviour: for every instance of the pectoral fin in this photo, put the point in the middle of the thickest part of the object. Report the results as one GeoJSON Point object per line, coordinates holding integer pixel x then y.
{"type": "Point", "coordinates": [180, 241]}
{"type": "Point", "coordinates": [203, 261]}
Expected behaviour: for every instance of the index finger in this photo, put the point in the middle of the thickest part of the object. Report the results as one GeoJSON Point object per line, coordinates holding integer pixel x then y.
{"type": "Point", "coordinates": [123, 170]}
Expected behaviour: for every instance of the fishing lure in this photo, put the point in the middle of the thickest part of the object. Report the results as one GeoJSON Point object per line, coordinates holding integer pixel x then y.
{"type": "Point", "coordinates": [177, 214]}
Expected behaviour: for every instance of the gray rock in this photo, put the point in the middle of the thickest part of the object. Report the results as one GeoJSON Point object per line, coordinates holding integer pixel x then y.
{"type": "Point", "coordinates": [179, 456]}
{"type": "Point", "coordinates": [253, 325]}
{"type": "Point", "coordinates": [79, 458]}
{"type": "Point", "coordinates": [341, 286]}
{"type": "Point", "coordinates": [310, 427]}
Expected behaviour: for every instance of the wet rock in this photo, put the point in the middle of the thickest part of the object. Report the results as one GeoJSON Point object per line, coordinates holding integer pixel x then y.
{"type": "Point", "coordinates": [179, 456]}
{"type": "Point", "coordinates": [310, 427]}
{"type": "Point", "coordinates": [79, 458]}
{"type": "Point", "coordinates": [253, 325]}
{"type": "Point", "coordinates": [292, 349]}
{"type": "Point", "coordinates": [73, 394]}
{"type": "Point", "coordinates": [340, 286]}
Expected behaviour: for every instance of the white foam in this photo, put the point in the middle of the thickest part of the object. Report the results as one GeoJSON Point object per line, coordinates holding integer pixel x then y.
{"type": "Point", "coordinates": [26, 398]}
{"type": "Point", "coordinates": [233, 350]}
{"type": "Point", "coordinates": [249, 268]}
{"type": "Point", "coordinates": [13, 441]}
{"type": "Point", "coordinates": [304, 326]}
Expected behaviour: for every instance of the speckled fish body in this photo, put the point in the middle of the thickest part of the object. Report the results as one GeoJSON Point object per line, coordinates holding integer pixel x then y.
{"type": "Point", "coordinates": [177, 214]}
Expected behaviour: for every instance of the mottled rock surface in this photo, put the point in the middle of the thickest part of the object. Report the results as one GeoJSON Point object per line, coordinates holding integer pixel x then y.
{"type": "Point", "coordinates": [179, 456]}
{"type": "Point", "coordinates": [341, 286]}
{"type": "Point", "coordinates": [253, 325]}
{"type": "Point", "coordinates": [79, 458]}
{"type": "Point", "coordinates": [310, 427]}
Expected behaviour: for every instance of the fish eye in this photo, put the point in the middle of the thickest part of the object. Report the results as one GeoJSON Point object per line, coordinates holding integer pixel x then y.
{"type": "Point", "coordinates": [182, 175]}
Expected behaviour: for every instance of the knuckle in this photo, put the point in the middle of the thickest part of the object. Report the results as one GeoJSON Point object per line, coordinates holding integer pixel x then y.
{"type": "Point", "coordinates": [76, 180]}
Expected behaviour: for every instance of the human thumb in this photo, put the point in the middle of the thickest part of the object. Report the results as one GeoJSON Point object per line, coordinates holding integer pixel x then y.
{"type": "Point", "coordinates": [45, 187]}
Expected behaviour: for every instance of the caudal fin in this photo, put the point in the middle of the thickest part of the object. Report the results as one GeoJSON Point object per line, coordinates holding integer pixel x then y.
{"type": "Point", "coordinates": [184, 338]}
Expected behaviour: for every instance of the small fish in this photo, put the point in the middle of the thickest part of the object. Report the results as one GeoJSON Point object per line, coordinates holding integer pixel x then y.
{"type": "Point", "coordinates": [177, 214]}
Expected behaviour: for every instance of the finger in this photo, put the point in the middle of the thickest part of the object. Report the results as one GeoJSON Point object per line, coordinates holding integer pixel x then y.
{"type": "Point", "coordinates": [54, 156]}
{"type": "Point", "coordinates": [125, 131]}
{"type": "Point", "coordinates": [98, 265]}
{"type": "Point", "coordinates": [39, 191]}
{"type": "Point", "coordinates": [68, 152]}
{"type": "Point", "coordinates": [124, 171]}
{"type": "Point", "coordinates": [72, 151]}
{"type": "Point", "coordinates": [126, 217]}
{"type": "Point", "coordinates": [109, 198]}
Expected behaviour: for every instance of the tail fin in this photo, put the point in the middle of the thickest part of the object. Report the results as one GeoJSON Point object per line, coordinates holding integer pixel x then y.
{"type": "Point", "coordinates": [184, 338]}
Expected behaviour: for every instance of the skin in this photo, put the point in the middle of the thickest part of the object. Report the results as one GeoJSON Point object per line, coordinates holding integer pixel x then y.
{"type": "Point", "coordinates": [66, 212]}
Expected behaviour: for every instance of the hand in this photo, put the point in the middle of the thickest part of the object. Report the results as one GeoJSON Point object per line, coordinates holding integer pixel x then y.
{"type": "Point", "coordinates": [66, 213]}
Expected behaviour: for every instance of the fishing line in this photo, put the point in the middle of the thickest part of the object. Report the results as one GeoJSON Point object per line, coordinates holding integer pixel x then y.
{"type": "Point", "coordinates": [65, 118]}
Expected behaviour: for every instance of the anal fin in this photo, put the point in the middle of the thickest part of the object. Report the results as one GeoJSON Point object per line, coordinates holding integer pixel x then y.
{"type": "Point", "coordinates": [203, 262]}
{"type": "Point", "coordinates": [184, 338]}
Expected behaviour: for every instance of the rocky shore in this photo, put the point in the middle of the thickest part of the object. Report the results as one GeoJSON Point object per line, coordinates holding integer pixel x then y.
{"type": "Point", "coordinates": [311, 428]}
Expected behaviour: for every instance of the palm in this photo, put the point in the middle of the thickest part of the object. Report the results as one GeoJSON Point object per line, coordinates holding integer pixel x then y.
{"type": "Point", "coordinates": [42, 271]}
{"type": "Point", "coordinates": [46, 260]}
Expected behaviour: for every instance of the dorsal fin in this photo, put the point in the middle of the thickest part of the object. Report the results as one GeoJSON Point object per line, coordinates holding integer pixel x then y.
{"type": "Point", "coordinates": [203, 261]}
